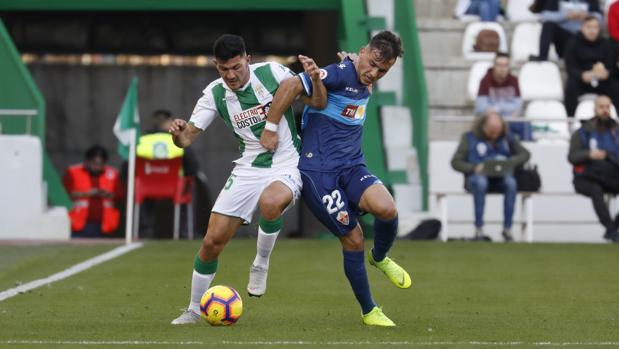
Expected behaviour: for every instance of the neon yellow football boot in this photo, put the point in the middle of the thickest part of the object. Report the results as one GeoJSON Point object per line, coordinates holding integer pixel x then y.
{"type": "Point", "coordinates": [396, 274]}
{"type": "Point", "coordinates": [376, 317]}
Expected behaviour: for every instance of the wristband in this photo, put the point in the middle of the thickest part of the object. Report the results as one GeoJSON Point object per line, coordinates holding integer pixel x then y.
{"type": "Point", "coordinates": [270, 126]}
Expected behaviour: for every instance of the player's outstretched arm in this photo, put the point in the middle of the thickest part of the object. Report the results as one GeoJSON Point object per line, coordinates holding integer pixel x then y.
{"type": "Point", "coordinates": [288, 91]}
{"type": "Point", "coordinates": [318, 99]}
{"type": "Point", "coordinates": [183, 134]}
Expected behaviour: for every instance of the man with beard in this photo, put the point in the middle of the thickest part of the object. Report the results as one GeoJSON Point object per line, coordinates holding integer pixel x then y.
{"type": "Point", "coordinates": [594, 152]}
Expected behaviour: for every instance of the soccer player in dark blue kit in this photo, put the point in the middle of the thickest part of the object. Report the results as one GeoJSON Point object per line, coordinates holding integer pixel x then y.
{"type": "Point", "coordinates": [337, 186]}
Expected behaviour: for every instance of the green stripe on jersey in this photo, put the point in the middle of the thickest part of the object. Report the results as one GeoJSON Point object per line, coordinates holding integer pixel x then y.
{"type": "Point", "coordinates": [264, 160]}
{"type": "Point", "coordinates": [247, 100]}
{"type": "Point", "coordinates": [219, 94]}
{"type": "Point", "coordinates": [265, 75]}
{"type": "Point", "coordinates": [296, 141]}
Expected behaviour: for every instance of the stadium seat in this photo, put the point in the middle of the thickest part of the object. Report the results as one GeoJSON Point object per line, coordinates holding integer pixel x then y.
{"type": "Point", "coordinates": [518, 11]}
{"type": "Point", "coordinates": [540, 81]}
{"type": "Point", "coordinates": [548, 110]}
{"type": "Point", "coordinates": [397, 131]}
{"type": "Point", "coordinates": [162, 179]}
{"type": "Point", "coordinates": [477, 72]}
{"type": "Point", "coordinates": [525, 41]}
{"type": "Point", "coordinates": [470, 34]}
{"type": "Point", "coordinates": [585, 110]}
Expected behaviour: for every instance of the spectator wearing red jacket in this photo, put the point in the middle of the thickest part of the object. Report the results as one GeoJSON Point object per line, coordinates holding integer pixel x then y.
{"type": "Point", "coordinates": [93, 187]}
{"type": "Point", "coordinates": [613, 21]}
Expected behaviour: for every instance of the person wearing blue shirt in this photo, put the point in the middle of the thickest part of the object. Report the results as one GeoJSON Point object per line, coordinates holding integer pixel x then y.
{"type": "Point", "coordinates": [337, 186]}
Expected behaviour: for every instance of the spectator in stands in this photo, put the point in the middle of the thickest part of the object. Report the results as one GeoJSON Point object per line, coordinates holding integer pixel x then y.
{"type": "Point", "coordinates": [499, 90]}
{"type": "Point", "coordinates": [487, 10]}
{"type": "Point", "coordinates": [93, 187]}
{"type": "Point", "coordinates": [594, 152]}
{"type": "Point", "coordinates": [157, 215]}
{"type": "Point", "coordinates": [561, 20]}
{"type": "Point", "coordinates": [161, 120]}
{"type": "Point", "coordinates": [487, 156]}
{"type": "Point", "coordinates": [590, 61]}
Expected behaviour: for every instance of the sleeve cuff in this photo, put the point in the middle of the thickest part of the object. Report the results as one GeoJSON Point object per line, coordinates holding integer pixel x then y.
{"type": "Point", "coordinates": [307, 84]}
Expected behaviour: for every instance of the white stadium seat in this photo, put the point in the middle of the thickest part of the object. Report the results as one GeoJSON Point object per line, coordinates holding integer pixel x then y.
{"type": "Point", "coordinates": [477, 72]}
{"type": "Point", "coordinates": [470, 34]}
{"type": "Point", "coordinates": [518, 11]}
{"type": "Point", "coordinates": [397, 136]}
{"type": "Point", "coordinates": [585, 110]}
{"type": "Point", "coordinates": [548, 110]}
{"type": "Point", "coordinates": [525, 41]}
{"type": "Point", "coordinates": [540, 80]}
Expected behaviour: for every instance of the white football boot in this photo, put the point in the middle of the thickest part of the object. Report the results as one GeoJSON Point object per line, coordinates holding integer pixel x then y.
{"type": "Point", "coordinates": [187, 317]}
{"type": "Point", "coordinates": [257, 285]}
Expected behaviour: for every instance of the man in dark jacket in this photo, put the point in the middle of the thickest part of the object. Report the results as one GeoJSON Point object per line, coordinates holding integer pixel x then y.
{"type": "Point", "coordinates": [589, 60]}
{"type": "Point", "coordinates": [594, 152]}
{"type": "Point", "coordinates": [487, 156]}
{"type": "Point", "coordinates": [561, 20]}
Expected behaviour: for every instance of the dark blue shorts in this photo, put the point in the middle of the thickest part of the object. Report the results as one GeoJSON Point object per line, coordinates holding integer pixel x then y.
{"type": "Point", "coordinates": [333, 197]}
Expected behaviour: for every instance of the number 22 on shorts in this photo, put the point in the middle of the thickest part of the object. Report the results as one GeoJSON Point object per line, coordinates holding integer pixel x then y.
{"type": "Point", "coordinates": [333, 202]}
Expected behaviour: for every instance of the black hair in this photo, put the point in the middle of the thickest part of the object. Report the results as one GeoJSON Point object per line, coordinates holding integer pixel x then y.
{"type": "Point", "coordinates": [228, 46]}
{"type": "Point", "coordinates": [96, 151]}
{"type": "Point", "coordinates": [591, 18]}
{"type": "Point", "coordinates": [388, 44]}
{"type": "Point", "coordinates": [501, 54]}
{"type": "Point", "coordinates": [166, 114]}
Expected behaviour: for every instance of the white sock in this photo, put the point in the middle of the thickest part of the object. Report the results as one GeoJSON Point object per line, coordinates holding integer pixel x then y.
{"type": "Point", "coordinates": [264, 247]}
{"type": "Point", "coordinates": [199, 284]}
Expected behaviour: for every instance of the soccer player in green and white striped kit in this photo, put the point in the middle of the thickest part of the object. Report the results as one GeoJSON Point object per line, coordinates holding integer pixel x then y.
{"type": "Point", "coordinates": [270, 180]}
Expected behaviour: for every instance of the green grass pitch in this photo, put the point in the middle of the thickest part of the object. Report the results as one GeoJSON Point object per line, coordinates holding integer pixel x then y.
{"type": "Point", "coordinates": [463, 295]}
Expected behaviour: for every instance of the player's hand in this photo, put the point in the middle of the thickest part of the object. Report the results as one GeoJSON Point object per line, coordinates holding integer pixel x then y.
{"type": "Point", "coordinates": [177, 127]}
{"type": "Point", "coordinates": [343, 54]}
{"type": "Point", "coordinates": [310, 67]}
{"type": "Point", "coordinates": [597, 154]}
{"type": "Point", "coordinates": [269, 140]}
{"type": "Point", "coordinates": [478, 168]}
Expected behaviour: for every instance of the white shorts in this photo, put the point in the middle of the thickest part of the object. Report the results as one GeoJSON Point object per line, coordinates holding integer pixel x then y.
{"type": "Point", "coordinates": [240, 195]}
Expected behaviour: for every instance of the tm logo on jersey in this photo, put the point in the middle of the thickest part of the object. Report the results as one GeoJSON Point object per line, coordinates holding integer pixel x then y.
{"type": "Point", "coordinates": [353, 111]}
{"type": "Point", "coordinates": [251, 116]}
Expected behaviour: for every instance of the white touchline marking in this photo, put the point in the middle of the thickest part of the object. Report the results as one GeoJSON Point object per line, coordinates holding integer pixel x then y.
{"type": "Point", "coordinates": [302, 343]}
{"type": "Point", "coordinates": [77, 268]}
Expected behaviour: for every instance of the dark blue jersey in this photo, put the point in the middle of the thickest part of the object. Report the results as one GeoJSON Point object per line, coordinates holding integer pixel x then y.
{"type": "Point", "coordinates": [332, 137]}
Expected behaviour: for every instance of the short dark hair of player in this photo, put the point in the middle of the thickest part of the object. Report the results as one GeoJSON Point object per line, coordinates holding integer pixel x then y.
{"type": "Point", "coordinates": [591, 18]}
{"type": "Point", "coordinates": [96, 151]}
{"type": "Point", "coordinates": [501, 54]}
{"type": "Point", "coordinates": [163, 114]}
{"type": "Point", "coordinates": [228, 46]}
{"type": "Point", "coordinates": [388, 44]}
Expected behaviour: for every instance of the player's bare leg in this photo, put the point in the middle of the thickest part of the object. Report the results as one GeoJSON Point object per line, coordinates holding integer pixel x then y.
{"type": "Point", "coordinates": [220, 230]}
{"type": "Point", "coordinates": [379, 202]}
{"type": "Point", "coordinates": [273, 201]}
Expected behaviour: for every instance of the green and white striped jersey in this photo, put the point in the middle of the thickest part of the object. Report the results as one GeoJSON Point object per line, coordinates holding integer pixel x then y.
{"type": "Point", "coordinates": [245, 110]}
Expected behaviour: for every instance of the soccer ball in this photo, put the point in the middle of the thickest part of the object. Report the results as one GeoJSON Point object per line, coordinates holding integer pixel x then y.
{"type": "Point", "coordinates": [221, 306]}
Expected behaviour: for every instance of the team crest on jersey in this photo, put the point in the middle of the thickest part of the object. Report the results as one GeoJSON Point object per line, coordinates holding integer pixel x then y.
{"type": "Point", "coordinates": [251, 116]}
{"type": "Point", "coordinates": [323, 74]}
{"type": "Point", "coordinates": [343, 218]}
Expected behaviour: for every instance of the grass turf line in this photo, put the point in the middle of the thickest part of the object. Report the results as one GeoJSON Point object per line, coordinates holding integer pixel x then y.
{"type": "Point", "coordinates": [462, 293]}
